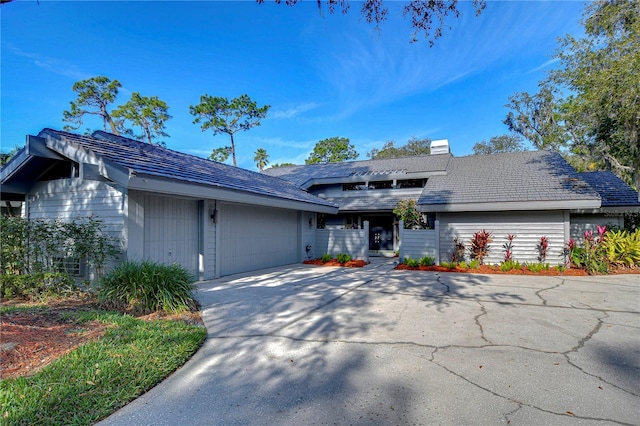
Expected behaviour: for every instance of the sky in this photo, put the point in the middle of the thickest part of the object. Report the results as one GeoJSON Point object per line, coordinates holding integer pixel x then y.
{"type": "Point", "coordinates": [323, 75]}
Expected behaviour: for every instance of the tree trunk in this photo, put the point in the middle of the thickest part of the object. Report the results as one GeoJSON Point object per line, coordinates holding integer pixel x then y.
{"type": "Point", "coordinates": [233, 150]}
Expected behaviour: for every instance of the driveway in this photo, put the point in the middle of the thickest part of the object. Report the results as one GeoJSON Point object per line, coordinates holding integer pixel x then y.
{"type": "Point", "coordinates": [311, 345]}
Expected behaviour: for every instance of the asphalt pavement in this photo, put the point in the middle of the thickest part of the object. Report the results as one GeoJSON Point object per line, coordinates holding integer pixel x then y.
{"type": "Point", "coordinates": [307, 345]}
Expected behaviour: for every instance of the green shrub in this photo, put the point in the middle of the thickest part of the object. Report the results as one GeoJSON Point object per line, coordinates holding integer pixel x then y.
{"type": "Point", "coordinates": [474, 264]}
{"type": "Point", "coordinates": [560, 268]}
{"type": "Point", "coordinates": [326, 257]}
{"type": "Point", "coordinates": [450, 265]}
{"type": "Point", "coordinates": [427, 261]}
{"type": "Point", "coordinates": [343, 257]}
{"type": "Point", "coordinates": [36, 286]}
{"type": "Point", "coordinates": [147, 287]}
{"type": "Point", "coordinates": [621, 247]}
{"type": "Point", "coordinates": [537, 267]}
{"type": "Point", "coordinates": [463, 265]}
{"type": "Point", "coordinates": [509, 265]}
{"type": "Point", "coordinates": [413, 263]}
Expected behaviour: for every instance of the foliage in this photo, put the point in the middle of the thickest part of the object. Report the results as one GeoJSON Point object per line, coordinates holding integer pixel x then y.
{"type": "Point", "coordinates": [590, 255]}
{"type": "Point", "coordinates": [412, 263]}
{"type": "Point", "coordinates": [509, 264]}
{"type": "Point", "coordinates": [147, 286]}
{"type": "Point", "coordinates": [273, 166]}
{"type": "Point", "coordinates": [458, 250]}
{"type": "Point", "coordinates": [450, 265]}
{"type": "Point", "coordinates": [498, 144]}
{"type": "Point", "coordinates": [326, 258]}
{"type": "Point", "coordinates": [537, 267]}
{"type": "Point", "coordinates": [508, 247]}
{"type": "Point", "coordinates": [261, 158]}
{"type": "Point", "coordinates": [220, 154]}
{"type": "Point", "coordinates": [427, 261]}
{"type": "Point", "coordinates": [428, 17]}
{"type": "Point", "coordinates": [37, 286]}
{"type": "Point", "coordinates": [406, 211]}
{"type": "Point", "coordinates": [96, 379]}
{"type": "Point", "coordinates": [479, 245]}
{"type": "Point", "coordinates": [332, 150]}
{"type": "Point", "coordinates": [222, 115]}
{"type": "Point", "coordinates": [413, 148]}
{"type": "Point", "coordinates": [33, 246]}
{"type": "Point", "coordinates": [622, 248]}
{"type": "Point", "coordinates": [95, 94]}
{"type": "Point", "coordinates": [343, 257]}
{"type": "Point", "coordinates": [560, 268]}
{"type": "Point", "coordinates": [147, 113]}
{"type": "Point", "coordinates": [6, 157]}
{"type": "Point", "coordinates": [543, 248]}
{"type": "Point", "coordinates": [474, 264]}
{"type": "Point", "coordinates": [463, 265]}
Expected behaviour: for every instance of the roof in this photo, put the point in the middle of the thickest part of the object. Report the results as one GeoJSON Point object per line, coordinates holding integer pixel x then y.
{"type": "Point", "coordinates": [613, 190]}
{"type": "Point", "coordinates": [370, 202]}
{"type": "Point", "coordinates": [307, 175]}
{"type": "Point", "coordinates": [529, 180]}
{"type": "Point", "coordinates": [143, 159]}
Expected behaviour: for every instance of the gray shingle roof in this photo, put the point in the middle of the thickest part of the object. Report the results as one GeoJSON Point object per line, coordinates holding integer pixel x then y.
{"type": "Point", "coordinates": [147, 159]}
{"type": "Point", "coordinates": [612, 190]}
{"type": "Point", "coordinates": [367, 203]}
{"type": "Point", "coordinates": [404, 165]}
{"type": "Point", "coordinates": [529, 176]}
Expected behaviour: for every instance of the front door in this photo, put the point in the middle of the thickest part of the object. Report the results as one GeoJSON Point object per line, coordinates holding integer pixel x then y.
{"type": "Point", "coordinates": [380, 233]}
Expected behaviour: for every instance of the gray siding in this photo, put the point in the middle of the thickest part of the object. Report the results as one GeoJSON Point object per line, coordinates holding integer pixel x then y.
{"type": "Point", "coordinates": [308, 234]}
{"type": "Point", "coordinates": [582, 222]}
{"type": "Point", "coordinates": [418, 243]}
{"type": "Point", "coordinates": [354, 242]}
{"type": "Point", "coordinates": [209, 241]}
{"type": "Point", "coordinates": [528, 227]}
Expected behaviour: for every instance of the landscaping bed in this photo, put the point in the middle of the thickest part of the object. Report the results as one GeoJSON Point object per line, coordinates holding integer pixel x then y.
{"type": "Point", "coordinates": [495, 269]}
{"type": "Point", "coordinates": [334, 262]}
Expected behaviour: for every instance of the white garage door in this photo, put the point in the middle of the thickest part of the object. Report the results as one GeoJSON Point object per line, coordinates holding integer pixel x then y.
{"type": "Point", "coordinates": [256, 237]}
{"type": "Point", "coordinates": [171, 231]}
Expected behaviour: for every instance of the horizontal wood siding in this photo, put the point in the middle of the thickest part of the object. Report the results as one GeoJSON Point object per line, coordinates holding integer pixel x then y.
{"type": "Point", "coordinates": [582, 222]}
{"type": "Point", "coordinates": [528, 227]}
{"type": "Point", "coordinates": [418, 243]}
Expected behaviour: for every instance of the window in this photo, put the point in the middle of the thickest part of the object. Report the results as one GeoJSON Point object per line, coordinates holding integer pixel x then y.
{"type": "Point", "coordinates": [411, 183]}
{"type": "Point", "coordinates": [386, 184]}
{"type": "Point", "coordinates": [73, 266]}
{"type": "Point", "coordinates": [356, 186]}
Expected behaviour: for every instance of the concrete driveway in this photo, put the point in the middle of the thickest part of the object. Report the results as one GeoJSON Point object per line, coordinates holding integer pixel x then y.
{"type": "Point", "coordinates": [309, 345]}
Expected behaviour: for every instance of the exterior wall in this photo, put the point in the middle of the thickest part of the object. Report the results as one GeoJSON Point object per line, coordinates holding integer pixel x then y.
{"type": "Point", "coordinates": [582, 222]}
{"type": "Point", "coordinates": [354, 242]}
{"type": "Point", "coordinates": [417, 243]}
{"type": "Point", "coordinates": [528, 227]}
{"type": "Point", "coordinates": [208, 244]}
{"type": "Point", "coordinates": [308, 223]}
{"type": "Point", "coordinates": [69, 199]}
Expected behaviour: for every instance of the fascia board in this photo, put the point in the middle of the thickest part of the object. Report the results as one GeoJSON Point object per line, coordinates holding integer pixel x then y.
{"type": "Point", "coordinates": [508, 206]}
{"type": "Point", "coordinates": [161, 186]}
{"type": "Point", "coordinates": [14, 165]}
{"type": "Point", "coordinates": [108, 170]}
{"type": "Point", "coordinates": [609, 209]}
{"type": "Point", "coordinates": [367, 178]}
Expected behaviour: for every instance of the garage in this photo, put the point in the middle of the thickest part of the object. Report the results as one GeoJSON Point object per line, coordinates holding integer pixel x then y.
{"type": "Point", "coordinates": [171, 231]}
{"type": "Point", "coordinates": [255, 237]}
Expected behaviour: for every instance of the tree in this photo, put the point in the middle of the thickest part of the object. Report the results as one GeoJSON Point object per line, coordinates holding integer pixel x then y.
{"type": "Point", "coordinates": [413, 147]}
{"type": "Point", "coordinates": [148, 113]}
{"type": "Point", "coordinates": [427, 16]}
{"type": "Point", "coordinates": [498, 144]}
{"type": "Point", "coordinates": [413, 219]}
{"type": "Point", "coordinates": [228, 116]}
{"type": "Point", "coordinates": [276, 165]}
{"type": "Point", "coordinates": [220, 154]}
{"type": "Point", "coordinates": [94, 96]}
{"type": "Point", "coordinates": [261, 158]}
{"type": "Point", "coordinates": [332, 150]}
{"type": "Point", "coordinates": [537, 119]}
{"type": "Point", "coordinates": [600, 70]}
{"type": "Point", "coordinates": [6, 157]}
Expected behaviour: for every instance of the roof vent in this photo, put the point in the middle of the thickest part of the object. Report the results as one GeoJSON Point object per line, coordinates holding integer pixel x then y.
{"type": "Point", "coordinates": [439, 147]}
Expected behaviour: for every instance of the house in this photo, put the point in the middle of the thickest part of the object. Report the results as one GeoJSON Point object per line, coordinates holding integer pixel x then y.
{"type": "Point", "coordinates": [530, 194]}
{"type": "Point", "coordinates": [164, 205]}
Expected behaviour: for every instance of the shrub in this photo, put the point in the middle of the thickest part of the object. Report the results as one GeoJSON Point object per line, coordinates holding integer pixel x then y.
{"type": "Point", "coordinates": [463, 265]}
{"type": "Point", "coordinates": [413, 263]}
{"type": "Point", "coordinates": [509, 265]}
{"type": "Point", "coordinates": [543, 248]}
{"type": "Point", "coordinates": [343, 257]}
{"type": "Point", "coordinates": [147, 287]}
{"type": "Point", "coordinates": [508, 247]}
{"type": "Point", "coordinates": [474, 264]}
{"type": "Point", "coordinates": [560, 268]}
{"type": "Point", "coordinates": [458, 250]}
{"type": "Point", "coordinates": [427, 261]}
{"type": "Point", "coordinates": [622, 247]}
{"type": "Point", "coordinates": [326, 257]}
{"type": "Point", "coordinates": [480, 245]}
{"type": "Point", "coordinates": [537, 267]}
{"type": "Point", "coordinates": [36, 286]}
{"type": "Point", "coordinates": [450, 265]}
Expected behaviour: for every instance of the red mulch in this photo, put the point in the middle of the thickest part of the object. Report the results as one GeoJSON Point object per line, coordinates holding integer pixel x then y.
{"type": "Point", "coordinates": [494, 269]}
{"type": "Point", "coordinates": [32, 340]}
{"type": "Point", "coordinates": [334, 262]}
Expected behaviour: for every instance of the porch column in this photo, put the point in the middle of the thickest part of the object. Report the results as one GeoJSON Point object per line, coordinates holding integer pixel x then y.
{"type": "Point", "coordinates": [436, 228]}
{"type": "Point", "coordinates": [400, 239]}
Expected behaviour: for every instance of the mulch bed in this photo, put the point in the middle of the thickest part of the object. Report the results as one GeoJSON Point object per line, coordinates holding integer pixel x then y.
{"type": "Point", "coordinates": [494, 269]}
{"type": "Point", "coordinates": [349, 264]}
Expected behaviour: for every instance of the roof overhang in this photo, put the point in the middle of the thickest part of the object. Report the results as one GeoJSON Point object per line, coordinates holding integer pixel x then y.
{"type": "Point", "coordinates": [154, 184]}
{"type": "Point", "coordinates": [508, 206]}
{"type": "Point", "coordinates": [370, 177]}
{"type": "Point", "coordinates": [614, 210]}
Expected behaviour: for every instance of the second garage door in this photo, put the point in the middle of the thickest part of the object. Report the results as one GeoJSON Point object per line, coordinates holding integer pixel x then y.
{"type": "Point", "coordinates": [256, 237]}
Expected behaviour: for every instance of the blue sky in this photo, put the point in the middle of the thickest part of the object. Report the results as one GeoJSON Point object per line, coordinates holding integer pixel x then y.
{"type": "Point", "coordinates": [323, 75]}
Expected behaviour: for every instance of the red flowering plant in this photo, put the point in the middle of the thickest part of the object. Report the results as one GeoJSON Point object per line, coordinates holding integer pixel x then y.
{"type": "Point", "coordinates": [508, 246]}
{"type": "Point", "coordinates": [480, 245]}
{"type": "Point", "coordinates": [543, 247]}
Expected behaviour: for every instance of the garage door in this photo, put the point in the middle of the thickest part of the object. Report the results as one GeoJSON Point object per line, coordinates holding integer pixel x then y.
{"type": "Point", "coordinates": [171, 231]}
{"type": "Point", "coordinates": [256, 237]}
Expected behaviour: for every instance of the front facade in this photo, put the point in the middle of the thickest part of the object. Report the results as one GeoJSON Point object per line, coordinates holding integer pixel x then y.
{"type": "Point", "coordinates": [162, 205]}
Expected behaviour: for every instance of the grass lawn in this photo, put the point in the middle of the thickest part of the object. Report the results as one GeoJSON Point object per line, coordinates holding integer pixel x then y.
{"type": "Point", "coordinates": [99, 377]}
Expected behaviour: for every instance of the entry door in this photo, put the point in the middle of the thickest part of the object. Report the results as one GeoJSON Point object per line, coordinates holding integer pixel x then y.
{"type": "Point", "coordinates": [380, 233]}
{"type": "Point", "coordinates": [171, 231]}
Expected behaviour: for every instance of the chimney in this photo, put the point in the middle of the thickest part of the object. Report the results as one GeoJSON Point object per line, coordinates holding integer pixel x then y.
{"type": "Point", "coordinates": [439, 147]}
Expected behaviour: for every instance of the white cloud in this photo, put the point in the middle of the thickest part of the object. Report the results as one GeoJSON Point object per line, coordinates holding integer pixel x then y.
{"type": "Point", "coordinates": [544, 65]}
{"type": "Point", "coordinates": [54, 65]}
{"type": "Point", "coordinates": [295, 110]}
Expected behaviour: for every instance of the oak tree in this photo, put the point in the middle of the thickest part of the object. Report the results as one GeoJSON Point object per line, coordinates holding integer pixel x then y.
{"type": "Point", "coordinates": [332, 150]}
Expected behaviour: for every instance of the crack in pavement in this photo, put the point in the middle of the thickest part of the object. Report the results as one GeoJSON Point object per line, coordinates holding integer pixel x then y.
{"type": "Point", "coordinates": [544, 301]}
{"type": "Point", "coordinates": [477, 321]}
